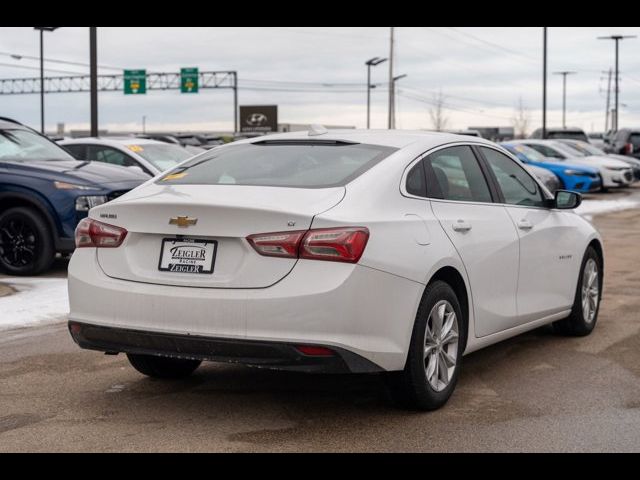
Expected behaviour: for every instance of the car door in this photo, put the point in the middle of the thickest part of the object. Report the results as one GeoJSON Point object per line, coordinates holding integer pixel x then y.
{"type": "Point", "coordinates": [481, 231]}
{"type": "Point", "coordinates": [548, 260]}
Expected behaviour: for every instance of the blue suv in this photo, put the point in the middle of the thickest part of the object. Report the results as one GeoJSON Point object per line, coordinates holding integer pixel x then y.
{"type": "Point", "coordinates": [579, 178]}
{"type": "Point", "coordinates": [44, 193]}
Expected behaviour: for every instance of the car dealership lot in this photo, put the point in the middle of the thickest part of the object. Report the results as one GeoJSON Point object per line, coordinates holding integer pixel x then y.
{"type": "Point", "coordinates": [535, 392]}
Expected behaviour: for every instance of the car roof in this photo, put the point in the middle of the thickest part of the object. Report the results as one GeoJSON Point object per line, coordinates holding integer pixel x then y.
{"type": "Point", "coordinates": [387, 138]}
{"type": "Point", "coordinates": [113, 141]}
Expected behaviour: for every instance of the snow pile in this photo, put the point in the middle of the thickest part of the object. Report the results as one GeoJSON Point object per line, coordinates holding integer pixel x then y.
{"type": "Point", "coordinates": [37, 301]}
{"type": "Point", "coordinates": [588, 208]}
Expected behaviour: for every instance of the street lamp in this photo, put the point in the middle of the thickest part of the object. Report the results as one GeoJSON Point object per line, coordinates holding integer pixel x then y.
{"type": "Point", "coordinates": [617, 39]}
{"type": "Point", "coordinates": [42, 30]}
{"type": "Point", "coordinates": [393, 89]}
{"type": "Point", "coordinates": [564, 94]}
{"type": "Point", "coordinates": [371, 63]}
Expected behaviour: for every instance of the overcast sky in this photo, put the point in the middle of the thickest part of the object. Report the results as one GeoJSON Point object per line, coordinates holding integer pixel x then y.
{"type": "Point", "coordinates": [317, 74]}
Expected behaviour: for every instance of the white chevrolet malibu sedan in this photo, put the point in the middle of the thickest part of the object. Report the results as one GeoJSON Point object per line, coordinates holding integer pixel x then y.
{"type": "Point", "coordinates": [334, 251]}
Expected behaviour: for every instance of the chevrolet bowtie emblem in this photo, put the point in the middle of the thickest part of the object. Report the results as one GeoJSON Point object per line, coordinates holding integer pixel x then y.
{"type": "Point", "coordinates": [183, 222]}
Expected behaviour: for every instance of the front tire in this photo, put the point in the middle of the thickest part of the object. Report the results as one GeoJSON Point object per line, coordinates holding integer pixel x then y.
{"type": "Point", "coordinates": [163, 367]}
{"type": "Point", "coordinates": [435, 352]}
{"type": "Point", "coordinates": [586, 304]}
{"type": "Point", "coordinates": [26, 244]}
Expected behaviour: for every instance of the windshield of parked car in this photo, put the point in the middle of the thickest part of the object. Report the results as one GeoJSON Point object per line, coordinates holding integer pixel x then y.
{"type": "Point", "coordinates": [527, 152]}
{"type": "Point", "coordinates": [567, 134]}
{"type": "Point", "coordinates": [162, 156]}
{"type": "Point", "coordinates": [24, 145]}
{"type": "Point", "coordinates": [568, 150]}
{"type": "Point", "coordinates": [280, 164]}
{"type": "Point", "coordinates": [586, 148]}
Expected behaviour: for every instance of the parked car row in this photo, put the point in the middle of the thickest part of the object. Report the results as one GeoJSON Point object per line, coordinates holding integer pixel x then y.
{"type": "Point", "coordinates": [577, 164]}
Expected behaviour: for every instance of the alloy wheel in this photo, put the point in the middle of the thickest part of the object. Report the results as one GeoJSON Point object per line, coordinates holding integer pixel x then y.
{"type": "Point", "coordinates": [17, 242]}
{"type": "Point", "coordinates": [590, 290]}
{"type": "Point", "coordinates": [441, 345]}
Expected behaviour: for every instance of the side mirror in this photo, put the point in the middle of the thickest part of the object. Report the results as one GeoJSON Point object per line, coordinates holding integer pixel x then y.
{"type": "Point", "coordinates": [566, 200]}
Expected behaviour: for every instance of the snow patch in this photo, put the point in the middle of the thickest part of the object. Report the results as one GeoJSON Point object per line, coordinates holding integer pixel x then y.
{"type": "Point", "coordinates": [37, 301]}
{"type": "Point", "coordinates": [589, 208]}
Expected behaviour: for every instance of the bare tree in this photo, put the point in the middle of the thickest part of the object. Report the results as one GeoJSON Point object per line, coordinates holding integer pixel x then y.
{"type": "Point", "coordinates": [521, 120]}
{"type": "Point", "coordinates": [439, 119]}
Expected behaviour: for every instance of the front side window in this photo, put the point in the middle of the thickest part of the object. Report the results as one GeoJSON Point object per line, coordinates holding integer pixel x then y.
{"type": "Point", "coordinates": [517, 186]}
{"type": "Point", "coordinates": [279, 164]}
{"type": "Point", "coordinates": [458, 176]}
{"type": "Point", "coordinates": [23, 145]}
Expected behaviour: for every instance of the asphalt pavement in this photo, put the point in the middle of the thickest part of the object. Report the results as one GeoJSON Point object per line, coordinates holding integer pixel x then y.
{"type": "Point", "coordinates": [535, 392]}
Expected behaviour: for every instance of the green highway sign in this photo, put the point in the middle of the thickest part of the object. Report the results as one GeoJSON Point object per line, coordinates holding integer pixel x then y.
{"type": "Point", "coordinates": [189, 80]}
{"type": "Point", "coordinates": [135, 82]}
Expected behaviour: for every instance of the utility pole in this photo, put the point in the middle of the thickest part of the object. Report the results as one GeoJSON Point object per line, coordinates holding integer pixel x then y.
{"type": "Point", "coordinates": [235, 102]}
{"type": "Point", "coordinates": [371, 63]}
{"type": "Point", "coordinates": [144, 124]}
{"type": "Point", "coordinates": [391, 121]}
{"type": "Point", "coordinates": [564, 95]}
{"type": "Point", "coordinates": [93, 74]}
{"type": "Point", "coordinates": [393, 85]}
{"type": "Point", "coordinates": [616, 39]}
{"type": "Point", "coordinates": [606, 117]}
{"type": "Point", "coordinates": [544, 82]}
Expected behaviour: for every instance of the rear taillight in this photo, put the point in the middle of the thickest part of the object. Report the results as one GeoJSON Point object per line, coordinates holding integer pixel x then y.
{"type": "Point", "coordinates": [91, 233]}
{"type": "Point", "coordinates": [344, 244]}
{"type": "Point", "coordinates": [628, 148]}
{"type": "Point", "coordinates": [277, 244]}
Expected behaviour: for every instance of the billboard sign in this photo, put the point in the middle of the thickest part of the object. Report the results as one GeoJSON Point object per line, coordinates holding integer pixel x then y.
{"type": "Point", "coordinates": [258, 118]}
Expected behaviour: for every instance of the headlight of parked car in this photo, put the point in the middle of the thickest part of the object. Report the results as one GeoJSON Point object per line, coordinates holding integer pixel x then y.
{"type": "Point", "coordinates": [577, 173]}
{"type": "Point", "coordinates": [87, 202]}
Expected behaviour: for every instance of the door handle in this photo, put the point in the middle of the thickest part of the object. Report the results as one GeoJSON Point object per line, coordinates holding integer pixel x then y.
{"type": "Point", "coordinates": [461, 226]}
{"type": "Point", "coordinates": [525, 225]}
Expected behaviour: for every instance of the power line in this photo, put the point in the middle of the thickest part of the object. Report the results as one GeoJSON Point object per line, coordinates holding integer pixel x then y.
{"type": "Point", "coordinates": [29, 67]}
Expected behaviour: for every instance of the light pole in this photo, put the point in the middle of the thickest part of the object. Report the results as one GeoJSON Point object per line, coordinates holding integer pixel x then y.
{"type": "Point", "coordinates": [564, 94]}
{"type": "Point", "coordinates": [617, 39]}
{"type": "Point", "coordinates": [393, 89]}
{"type": "Point", "coordinates": [42, 30]}
{"type": "Point", "coordinates": [371, 63]}
{"type": "Point", "coordinates": [544, 82]}
{"type": "Point", "coordinates": [93, 73]}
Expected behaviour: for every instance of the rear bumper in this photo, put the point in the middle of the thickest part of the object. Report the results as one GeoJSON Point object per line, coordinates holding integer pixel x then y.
{"type": "Point", "coordinates": [347, 307]}
{"type": "Point", "coordinates": [276, 355]}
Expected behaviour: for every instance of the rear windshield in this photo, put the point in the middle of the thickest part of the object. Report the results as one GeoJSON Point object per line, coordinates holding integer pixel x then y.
{"type": "Point", "coordinates": [570, 135]}
{"type": "Point", "coordinates": [279, 165]}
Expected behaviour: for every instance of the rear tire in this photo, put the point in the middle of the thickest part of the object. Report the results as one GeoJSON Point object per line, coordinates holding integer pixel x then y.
{"type": "Point", "coordinates": [163, 367]}
{"type": "Point", "coordinates": [435, 352]}
{"type": "Point", "coordinates": [586, 304]}
{"type": "Point", "coordinates": [26, 244]}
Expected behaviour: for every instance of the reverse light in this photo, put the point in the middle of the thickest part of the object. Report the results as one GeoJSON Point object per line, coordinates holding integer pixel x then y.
{"type": "Point", "coordinates": [92, 233]}
{"type": "Point", "coordinates": [345, 244]}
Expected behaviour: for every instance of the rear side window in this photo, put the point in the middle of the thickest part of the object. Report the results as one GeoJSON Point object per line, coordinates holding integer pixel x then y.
{"type": "Point", "coordinates": [458, 176]}
{"type": "Point", "coordinates": [634, 138]}
{"type": "Point", "coordinates": [110, 155]}
{"type": "Point", "coordinates": [416, 181]}
{"type": "Point", "coordinates": [280, 164]}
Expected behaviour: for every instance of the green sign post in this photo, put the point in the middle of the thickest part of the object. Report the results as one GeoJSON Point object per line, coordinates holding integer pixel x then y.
{"type": "Point", "coordinates": [135, 82]}
{"type": "Point", "coordinates": [189, 80]}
